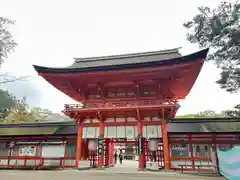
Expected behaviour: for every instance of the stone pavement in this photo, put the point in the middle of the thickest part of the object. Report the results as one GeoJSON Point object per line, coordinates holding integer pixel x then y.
{"type": "Point", "coordinates": [95, 175]}
{"type": "Point", "coordinates": [126, 171]}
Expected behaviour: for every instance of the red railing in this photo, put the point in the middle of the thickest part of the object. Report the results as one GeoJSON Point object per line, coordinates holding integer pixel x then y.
{"type": "Point", "coordinates": [13, 162]}
{"type": "Point", "coordinates": [198, 151]}
{"type": "Point", "coordinates": [118, 104]}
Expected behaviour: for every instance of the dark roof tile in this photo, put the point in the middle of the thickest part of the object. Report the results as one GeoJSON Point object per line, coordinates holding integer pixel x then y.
{"type": "Point", "coordinates": [126, 58]}
{"type": "Point", "coordinates": [125, 62]}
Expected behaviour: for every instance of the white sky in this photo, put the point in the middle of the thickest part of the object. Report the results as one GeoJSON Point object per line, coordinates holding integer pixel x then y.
{"type": "Point", "coordinates": [52, 32]}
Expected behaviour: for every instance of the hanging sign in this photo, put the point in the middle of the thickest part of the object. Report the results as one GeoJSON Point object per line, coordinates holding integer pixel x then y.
{"type": "Point", "coordinates": [100, 145]}
{"type": "Point", "coordinates": [140, 145]}
{"type": "Point", "coordinates": [152, 145]}
{"type": "Point", "coordinates": [92, 145]}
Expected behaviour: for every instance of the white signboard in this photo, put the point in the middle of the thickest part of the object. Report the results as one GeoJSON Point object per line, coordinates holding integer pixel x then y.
{"type": "Point", "coordinates": [27, 150]}
{"type": "Point", "coordinates": [53, 151]}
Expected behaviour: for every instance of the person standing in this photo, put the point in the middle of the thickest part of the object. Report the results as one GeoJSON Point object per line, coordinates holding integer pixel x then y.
{"type": "Point", "coordinates": [115, 157]}
{"type": "Point", "coordinates": [120, 158]}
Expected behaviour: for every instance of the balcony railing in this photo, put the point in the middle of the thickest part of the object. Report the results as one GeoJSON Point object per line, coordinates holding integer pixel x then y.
{"type": "Point", "coordinates": [119, 104]}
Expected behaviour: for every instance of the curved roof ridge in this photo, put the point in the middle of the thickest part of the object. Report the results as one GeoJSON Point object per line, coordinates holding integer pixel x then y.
{"type": "Point", "coordinates": [128, 55]}
{"type": "Point", "coordinates": [108, 65]}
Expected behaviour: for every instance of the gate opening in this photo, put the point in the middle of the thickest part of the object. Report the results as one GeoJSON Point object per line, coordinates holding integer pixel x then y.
{"type": "Point", "coordinates": [153, 149]}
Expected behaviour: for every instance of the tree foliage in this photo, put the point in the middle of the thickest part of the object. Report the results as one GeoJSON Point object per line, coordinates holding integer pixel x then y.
{"type": "Point", "coordinates": [7, 43]}
{"type": "Point", "coordinates": [217, 126]}
{"type": "Point", "coordinates": [13, 110]}
{"type": "Point", "coordinates": [207, 113]}
{"type": "Point", "coordinates": [7, 102]}
{"type": "Point", "coordinates": [20, 113]}
{"type": "Point", "coordinates": [235, 111]}
{"type": "Point", "coordinates": [219, 29]}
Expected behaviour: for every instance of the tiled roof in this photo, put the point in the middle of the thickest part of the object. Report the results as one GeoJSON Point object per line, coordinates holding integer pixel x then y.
{"type": "Point", "coordinates": [28, 131]}
{"type": "Point", "coordinates": [126, 58]}
{"type": "Point", "coordinates": [222, 127]}
{"type": "Point", "coordinates": [150, 59]}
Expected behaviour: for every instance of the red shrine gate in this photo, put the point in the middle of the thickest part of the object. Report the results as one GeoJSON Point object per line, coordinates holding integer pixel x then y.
{"type": "Point", "coordinates": [143, 151]}
{"type": "Point", "coordinates": [130, 87]}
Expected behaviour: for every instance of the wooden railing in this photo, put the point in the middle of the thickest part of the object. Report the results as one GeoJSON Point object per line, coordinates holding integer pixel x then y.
{"type": "Point", "coordinates": [126, 103]}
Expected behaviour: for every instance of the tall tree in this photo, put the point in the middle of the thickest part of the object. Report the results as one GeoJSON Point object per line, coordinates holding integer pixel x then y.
{"type": "Point", "coordinates": [235, 111]}
{"type": "Point", "coordinates": [7, 45]}
{"type": "Point", "coordinates": [20, 113]}
{"type": "Point", "coordinates": [219, 29]}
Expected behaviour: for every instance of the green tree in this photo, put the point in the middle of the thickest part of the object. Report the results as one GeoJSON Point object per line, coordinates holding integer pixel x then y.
{"type": "Point", "coordinates": [206, 113]}
{"type": "Point", "coordinates": [46, 115]}
{"type": "Point", "coordinates": [7, 102]}
{"type": "Point", "coordinates": [235, 111]}
{"type": "Point", "coordinates": [216, 126]}
{"type": "Point", "coordinates": [14, 110]}
{"type": "Point", "coordinates": [219, 29]}
{"type": "Point", "coordinates": [20, 113]}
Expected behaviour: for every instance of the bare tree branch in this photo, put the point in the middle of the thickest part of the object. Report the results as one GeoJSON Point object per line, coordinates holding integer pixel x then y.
{"type": "Point", "coordinates": [7, 43]}
{"type": "Point", "coordinates": [13, 80]}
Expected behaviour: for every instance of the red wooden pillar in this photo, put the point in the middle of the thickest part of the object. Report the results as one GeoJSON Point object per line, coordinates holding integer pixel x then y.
{"type": "Point", "coordinates": [141, 154]}
{"type": "Point", "coordinates": [101, 134]}
{"type": "Point", "coordinates": [166, 154]}
{"type": "Point", "coordinates": [79, 142]}
{"type": "Point", "coordinates": [111, 153]}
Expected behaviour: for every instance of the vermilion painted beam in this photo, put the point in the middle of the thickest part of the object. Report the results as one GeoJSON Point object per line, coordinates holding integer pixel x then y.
{"type": "Point", "coordinates": [114, 109]}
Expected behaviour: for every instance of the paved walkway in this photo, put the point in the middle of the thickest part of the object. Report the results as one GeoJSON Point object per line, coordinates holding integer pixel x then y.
{"type": "Point", "coordinates": [126, 171]}
{"type": "Point", "coordinates": [95, 175]}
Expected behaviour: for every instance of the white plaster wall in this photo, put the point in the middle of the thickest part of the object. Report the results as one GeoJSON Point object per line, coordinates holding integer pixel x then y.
{"type": "Point", "coordinates": [121, 131]}
{"type": "Point", "coordinates": [129, 132]}
{"type": "Point", "coordinates": [111, 132]}
{"type": "Point", "coordinates": [152, 131]}
{"type": "Point", "coordinates": [90, 132]}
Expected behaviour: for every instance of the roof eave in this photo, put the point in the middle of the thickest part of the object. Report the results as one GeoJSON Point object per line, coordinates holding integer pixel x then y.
{"type": "Point", "coordinates": [192, 57]}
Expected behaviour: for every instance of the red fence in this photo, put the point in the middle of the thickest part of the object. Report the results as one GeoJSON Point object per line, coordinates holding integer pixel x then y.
{"type": "Point", "coordinates": [37, 153]}
{"type": "Point", "coordinates": [198, 151]}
